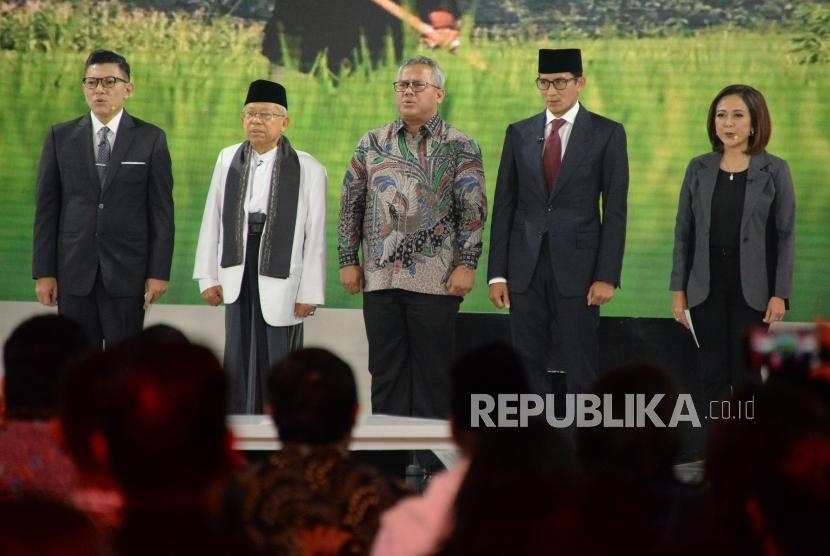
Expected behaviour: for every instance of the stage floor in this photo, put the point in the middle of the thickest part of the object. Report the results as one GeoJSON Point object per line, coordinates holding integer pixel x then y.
{"type": "Point", "coordinates": [386, 433]}
{"type": "Point", "coordinates": [372, 432]}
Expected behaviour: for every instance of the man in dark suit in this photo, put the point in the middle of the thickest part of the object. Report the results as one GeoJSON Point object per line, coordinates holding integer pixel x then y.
{"type": "Point", "coordinates": [103, 234]}
{"type": "Point", "coordinates": [555, 256]}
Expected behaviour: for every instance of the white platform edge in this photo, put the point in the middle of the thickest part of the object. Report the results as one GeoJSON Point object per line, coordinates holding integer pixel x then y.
{"type": "Point", "coordinates": [373, 432]}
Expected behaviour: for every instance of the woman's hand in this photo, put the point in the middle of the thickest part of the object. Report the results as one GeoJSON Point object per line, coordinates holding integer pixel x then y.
{"type": "Point", "coordinates": [679, 306]}
{"type": "Point", "coordinates": [775, 310]}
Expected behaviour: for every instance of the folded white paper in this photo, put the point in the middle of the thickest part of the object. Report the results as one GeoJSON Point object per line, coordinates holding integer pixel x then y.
{"type": "Point", "coordinates": [691, 326]}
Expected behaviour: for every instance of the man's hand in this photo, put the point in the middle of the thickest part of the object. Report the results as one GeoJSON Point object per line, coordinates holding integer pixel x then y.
{"type": "Point", "coordinates": [461, 280]}
{"type": "Point", "coordinates": [46, 289]}
{"type": "Point", "coordinates": [775, 310]}
{"type": "Point", "coordinates": [352, 278]}
{"type": "Point", "coordinates": [213, 296]}
{"type": "Point", "coordinates": [679, 306]}
{"type": "Point", "coordinates": [444, 38]}
{"type": "Point", "coordinates": [303, 310]}
{"type": "Point", "coordinates": [499, 295]}
{"type": "Point", "coordinates": [153, 289]}
{"type": "Point", "coordinates": [600, 293]}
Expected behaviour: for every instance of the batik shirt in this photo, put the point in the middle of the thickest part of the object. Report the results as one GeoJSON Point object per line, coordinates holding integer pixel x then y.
{"type": "Point", "coordinates": [304, 487]}
{"type": "Point", "coordinates": [417, 203]}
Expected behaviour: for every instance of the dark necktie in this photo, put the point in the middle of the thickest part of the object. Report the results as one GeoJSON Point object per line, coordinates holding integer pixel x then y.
{"type": "Point", "coordinates": [104, 153]}
{"type": "Point", "coordinates": [552, 158]}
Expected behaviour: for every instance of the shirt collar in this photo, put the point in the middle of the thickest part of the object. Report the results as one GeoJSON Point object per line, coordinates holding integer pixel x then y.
{"type": "Point", "coordinates": [432, 127]}
{"type": "Point", "coordinates": [267, 157]}
{"type": "Point", "coordinates": [569, 116]}
{"type": "Point", "coordinates": [112, 124]}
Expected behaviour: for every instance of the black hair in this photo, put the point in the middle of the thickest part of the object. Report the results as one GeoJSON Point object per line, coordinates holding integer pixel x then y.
{"type": "Point", "coordinates": [35, 355]}
{"type": "Point", "coordinates": [165, 419]}
{"type": "Point", "coordinates": [638, 453]}
{"type": "Point", "coordinates": [108, 57]}
{"type": "Point", "coordinates": [83, 404]}
{"type": "Point", "coordinates": [313, 397]}
{"type": "Point", "coordinates": [493, 369]}
{"type": "Point", "coordinates": [758, 113]}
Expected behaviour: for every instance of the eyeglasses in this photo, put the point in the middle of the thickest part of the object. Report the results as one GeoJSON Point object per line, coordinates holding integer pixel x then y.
{"type": "Point", "coordinates": [264, 116]}
{"type": "Point", "coordinates": [108, 82]}
{"type": "Point", "coordinates": [559, 83]}
{"type": "Point", "coordinates": [417, 86]}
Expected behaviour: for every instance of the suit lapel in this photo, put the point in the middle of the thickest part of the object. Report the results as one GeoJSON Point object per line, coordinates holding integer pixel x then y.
{"type": "Point", "coordinates": [533, 150]}
{"type": "Point", "coordinates": [578, 144]}
{"type": "Point", "coordinates": [82, 139]}
{"type": "Point", "coordinates": [707, 177]}
{"type": "Point", "coordinates": [126, 133]}
{"type": "Point", "coordinates": [756, 180]}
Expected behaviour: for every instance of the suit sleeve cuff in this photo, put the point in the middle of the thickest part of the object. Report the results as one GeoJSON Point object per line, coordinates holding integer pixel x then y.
{"type": "Point", "coordinates": [349, 258]}
{"type": "Point", "coordinates": [469, 259]}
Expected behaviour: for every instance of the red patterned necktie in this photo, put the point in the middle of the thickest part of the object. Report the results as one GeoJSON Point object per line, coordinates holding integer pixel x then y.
{"type": "Point", "coordinates": [552, 158]}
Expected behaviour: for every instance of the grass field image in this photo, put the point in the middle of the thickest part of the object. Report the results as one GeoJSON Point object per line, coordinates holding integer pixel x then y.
{"type": "Point", "coordinates": [191, 74]}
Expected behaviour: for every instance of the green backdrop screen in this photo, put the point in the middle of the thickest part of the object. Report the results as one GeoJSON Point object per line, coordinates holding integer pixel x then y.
{"type": "Point", "coordinates": [659, 88]}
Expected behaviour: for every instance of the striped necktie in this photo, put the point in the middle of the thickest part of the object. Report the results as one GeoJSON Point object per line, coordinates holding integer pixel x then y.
{"type": "Point", "coordinates": [104, 152]}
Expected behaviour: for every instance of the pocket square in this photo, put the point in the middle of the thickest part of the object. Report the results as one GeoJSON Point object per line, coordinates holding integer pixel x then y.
{"type": "Point", "coordinates": [135, 163]}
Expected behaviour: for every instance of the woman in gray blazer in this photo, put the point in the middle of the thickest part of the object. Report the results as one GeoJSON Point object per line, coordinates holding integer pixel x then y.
{"type": "Point", "coordinates": [734, 238]}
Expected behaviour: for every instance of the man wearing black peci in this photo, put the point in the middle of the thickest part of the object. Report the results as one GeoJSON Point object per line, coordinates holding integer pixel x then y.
{"type": "Point", "coordinates": [558, 231]}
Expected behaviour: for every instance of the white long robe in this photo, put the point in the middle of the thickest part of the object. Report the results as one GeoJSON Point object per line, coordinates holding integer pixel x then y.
{"type": "Point", "coordinates": [306, 281]}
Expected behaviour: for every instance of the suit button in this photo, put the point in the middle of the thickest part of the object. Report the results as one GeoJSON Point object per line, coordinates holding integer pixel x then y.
{"type": "Point", "coordinates": [746, 239]}
{"type": "Point", "coordinates": [100, 206]}
{"type": "Point", "coordinates": [548, 208]}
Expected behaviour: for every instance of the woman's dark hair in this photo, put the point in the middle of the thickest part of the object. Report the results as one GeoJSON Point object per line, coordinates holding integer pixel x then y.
{"type": "Point", "coordinates": [759, 116]}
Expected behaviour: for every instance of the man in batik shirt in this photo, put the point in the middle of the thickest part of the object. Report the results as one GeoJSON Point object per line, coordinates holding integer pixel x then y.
{"type": "Point", "coordinates": [414, 197]}
{"type": "Point", "coordinates": [312, 497]}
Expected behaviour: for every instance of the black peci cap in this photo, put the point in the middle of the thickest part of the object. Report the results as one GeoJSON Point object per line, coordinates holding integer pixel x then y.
{"type": "Point", "coordinates": [267, 91]}
{"type": "Point", "coordinates": [560, 60]}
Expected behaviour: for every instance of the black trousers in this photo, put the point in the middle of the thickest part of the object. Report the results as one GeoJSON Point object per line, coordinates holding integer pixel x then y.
{"type": "Point", "coordinates": [107, 320]}
{"type": "Point", "coordinates": [551, 332]}
{"type": "Point", "coordinates": [411, 348]}
{"type": "Point", "coordinates": [252, 346]}
{"type": "Point", "coordinates": [721, 323]}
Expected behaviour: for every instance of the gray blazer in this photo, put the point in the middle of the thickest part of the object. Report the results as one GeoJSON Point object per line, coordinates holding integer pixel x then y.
{"type": "Point", "coordinates": [767, 231]}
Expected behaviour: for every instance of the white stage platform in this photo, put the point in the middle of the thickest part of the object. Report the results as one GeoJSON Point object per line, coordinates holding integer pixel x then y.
{"type": "Point", "coordinates": [338, 330]}
{"type": "Point", "coordinates": [373, 432]}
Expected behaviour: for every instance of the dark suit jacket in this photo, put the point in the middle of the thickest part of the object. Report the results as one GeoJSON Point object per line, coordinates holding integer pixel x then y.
{"type": "Point", "coordinates": [584, 246]}
{"type": "Point", "coordinates": [767, 246]}
{"type": "Point", "coordinates": [125, 227]}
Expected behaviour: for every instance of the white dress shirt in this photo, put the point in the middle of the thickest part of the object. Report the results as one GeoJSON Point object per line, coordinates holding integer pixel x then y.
{"type": "Point", "coordinates": [112, 125]}
{"type": "Point", "coordinates": [565, 130]}
{"type": "Point", "coordinates": [259, 180]}
{"type": "Point", "coordinates": [564, 136]}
